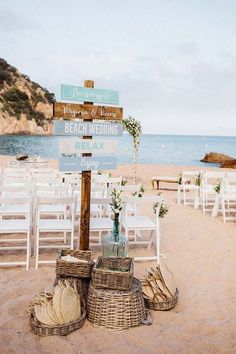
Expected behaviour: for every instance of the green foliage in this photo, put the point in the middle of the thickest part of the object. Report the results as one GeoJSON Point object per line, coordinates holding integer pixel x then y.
{"type": "Point", "coordinates": [180, 178]}
{"type": "Point", "coordinates": [134, 128]}
{"type": "Point", "coordinates": [198, 180]}
{"type": "Point", "coordinates": [50, 96]}
{"type": "Point", "coordinates": [6, 72]}
{"type": "Point", "coordinates": [163, 209]}
{"type": "Point", "coordinates": [15, 95]}
{"type": "Point", "coordinates": [36, 98]}
{"type": "Point", "coordinates": [140, 193]}
{"type": "Point", "coordinates": [217, 187]}
{"type": "Point", "coordinates": [17, 103]}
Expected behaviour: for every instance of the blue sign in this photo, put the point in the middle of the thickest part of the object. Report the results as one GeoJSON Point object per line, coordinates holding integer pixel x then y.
{"type": "Point", "coordinates": [87, 163]}
{"type": "Point", "coordinates": [80, 128]}
{"type": "Point", "coordinates": [80, 93]}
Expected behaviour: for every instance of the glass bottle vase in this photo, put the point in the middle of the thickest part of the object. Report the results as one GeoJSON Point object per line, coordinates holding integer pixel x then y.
{"type": "Point", "coordinates": [115, 244]}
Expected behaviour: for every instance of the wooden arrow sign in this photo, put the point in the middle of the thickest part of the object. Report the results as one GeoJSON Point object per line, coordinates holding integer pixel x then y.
{"type": "Point", "coordinates": [73, 110]}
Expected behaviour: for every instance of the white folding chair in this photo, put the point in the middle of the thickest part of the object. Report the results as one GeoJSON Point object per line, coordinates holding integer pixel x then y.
{"type": "Point", "coordinates": [188, 191]}
{"type": "Point", "coordinates": [139, 223]}
{"type": "Point", "coordinates": [228, 198]}
{"type": "Point", "coordinates": [208, 194]}
{"type": "Point", "coordinates": [14, 227]}
{"type": "Point", "coordinates": [54, 225]}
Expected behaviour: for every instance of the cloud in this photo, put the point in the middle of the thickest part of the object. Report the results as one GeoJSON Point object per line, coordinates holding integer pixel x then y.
{"type": "Point", "coordinates": [188, 48]}
{"type": "Point", "coordinates": [13, 20]}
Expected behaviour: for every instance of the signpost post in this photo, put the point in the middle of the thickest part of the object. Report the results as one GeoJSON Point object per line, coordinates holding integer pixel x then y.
{"type": "Point", "coordinates": [85, 193]}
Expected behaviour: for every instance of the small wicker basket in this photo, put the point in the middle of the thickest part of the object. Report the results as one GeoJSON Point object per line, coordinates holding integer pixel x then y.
{"type": "Point", "coordinates": [60, 330]}
{"type": "Point", "coordinates": [105, 275]}
{"type": "Point", "coordinates": [115, 309]}
{"type": "Point", "coordinates": [75, 269]}
{"type": "Point", "coordinates": [161, 305]}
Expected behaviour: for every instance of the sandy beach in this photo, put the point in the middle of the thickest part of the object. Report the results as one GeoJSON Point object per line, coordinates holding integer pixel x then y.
{"type": "Point", "coordinates": [197, 248]}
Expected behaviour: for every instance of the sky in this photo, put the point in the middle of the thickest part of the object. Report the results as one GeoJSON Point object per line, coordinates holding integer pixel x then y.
{"type": "Point", "coordinates": [173, 61]}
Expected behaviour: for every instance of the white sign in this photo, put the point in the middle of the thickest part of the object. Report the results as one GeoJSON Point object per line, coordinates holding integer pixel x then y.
{"type": "Point", "coordinates": [62, 127]}
{"type": "Point", "coordinates": [76, 146]}
{"type": "Point", "coordinates": [75, 163]}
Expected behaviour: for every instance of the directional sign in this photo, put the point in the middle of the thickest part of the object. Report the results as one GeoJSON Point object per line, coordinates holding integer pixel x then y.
{"type": "Point", "coordinates": [78, 146]}
{"type": "Point", "coordinates": [87, 163]}
{"type": "Point", "coordinates": [78, 93]}
{"type": "Point", "coordinates": [82, 111]}
{"type": "Point", "coordinates": [81, 128]}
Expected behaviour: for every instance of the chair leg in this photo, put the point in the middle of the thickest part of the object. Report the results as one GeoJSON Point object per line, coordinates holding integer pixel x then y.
{"type": "Point", "coordinates": [99, 237]}
{"type": "Point", "coordinates": [151, 240]}
{"type": "Point", "coordinates": [72, 240]}
{"type": "Point", "coordinates": [37, 250]}
{"type": "Point", "coordinates": [28, 250]}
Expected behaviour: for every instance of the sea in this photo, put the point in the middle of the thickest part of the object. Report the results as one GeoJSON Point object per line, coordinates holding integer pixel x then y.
{"type": "Point", "coordinates": [153, 149]}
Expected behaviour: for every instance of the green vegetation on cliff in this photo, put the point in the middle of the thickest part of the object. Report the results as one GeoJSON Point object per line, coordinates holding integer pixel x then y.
{"type": "Point", "coordinates": [21, 96]}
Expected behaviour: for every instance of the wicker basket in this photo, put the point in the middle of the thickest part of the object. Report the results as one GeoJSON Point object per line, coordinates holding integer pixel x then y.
{"type": "Point", "coordinates": [162, 305]}
{"type": "Point", "coordinates": [81, 285]}
{"type": "Point", "coordinates": [115, 309]}
{"type": "Point", "coordinates": [103, 275]}
{"type": "Point", "coordinates": [75, 269]}
{"type": "Point", "coordinates": [60, 330]}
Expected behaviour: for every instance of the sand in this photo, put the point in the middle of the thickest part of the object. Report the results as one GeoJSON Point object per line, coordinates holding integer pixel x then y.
{"type": "Point", "coordinates": [200, 252]}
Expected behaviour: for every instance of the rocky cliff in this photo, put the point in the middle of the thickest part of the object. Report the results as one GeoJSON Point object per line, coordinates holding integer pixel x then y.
{"type": "Point", "coordinates": [224, 160]}
{"type": "Point", "coordinates": [25, 106]}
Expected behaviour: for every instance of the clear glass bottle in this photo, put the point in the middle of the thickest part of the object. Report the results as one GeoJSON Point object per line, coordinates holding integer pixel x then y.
{"type": "Point", "coordinates": [115, 244]}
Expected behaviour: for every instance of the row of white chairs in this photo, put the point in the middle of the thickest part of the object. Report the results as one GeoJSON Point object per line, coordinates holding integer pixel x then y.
{"type": "Point", "coordinates": [210, 190]}
{"type": "Point", "coordinates": [56, 215]}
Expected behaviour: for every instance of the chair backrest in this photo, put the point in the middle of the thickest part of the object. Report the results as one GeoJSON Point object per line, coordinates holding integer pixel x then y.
{"type": "Point", "coordinates": [18, 201]}
{"type": "Point", "coordinates": [98, 192]}
{"type": "Point", "coordinates": [43, 170]}
{"type": "Point", "coordinates": [211, 178]}
{"type": "Point", "coordinates": [129, 190]}
{"type": "Point", "coordinates": [15, 171]}
{"type": "Point", "coordinates": [230, 174]}
{"type": "Point", "coordinates": [68, 202]}
{"type": "Point", "coordinates": [72, 179]}
{"type": "Point", "coordinates": [58, 190]}
{"type": "Point", "coordinates": [114, 181]}
{"type": "Point", "coordinates": [13, 191]}
{"type": "Point", "coordinates": [50, 179]}
{"type": "Point", "coordinates": [100, 180]}
{"type": "Point", "coordinates": [103, 203]}
{"type": "Point", "coordinates": [189, 177]}
{"type": "Point", "coordinates": [18, 181]}
{"type": "Point", "coordinates": [228, 185]}
{"type": "Point", "coordinates": [143, 205]}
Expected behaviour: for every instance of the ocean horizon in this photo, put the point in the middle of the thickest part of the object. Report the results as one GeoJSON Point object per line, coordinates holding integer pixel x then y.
{"type": "Point", "coordinates": [153, 148]}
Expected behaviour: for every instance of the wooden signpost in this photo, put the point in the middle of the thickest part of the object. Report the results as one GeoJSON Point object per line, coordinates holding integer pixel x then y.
{"type": "Point", "coordinates": [69, 160]}
{"type": "Point", "coordinates": [74, 110]}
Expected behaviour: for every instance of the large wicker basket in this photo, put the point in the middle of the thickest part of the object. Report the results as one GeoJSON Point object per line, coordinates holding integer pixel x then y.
{"type": "Point", "coordinates": [115, 309]}
{"type": "Point", "coordinates": [75, 269]}
{"type": "Point", "coordinates": [107, 273]}
{"type": "Point", "coordinates": [162, 305]}
{"type": "Point", "coordinates": [60, 330]}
